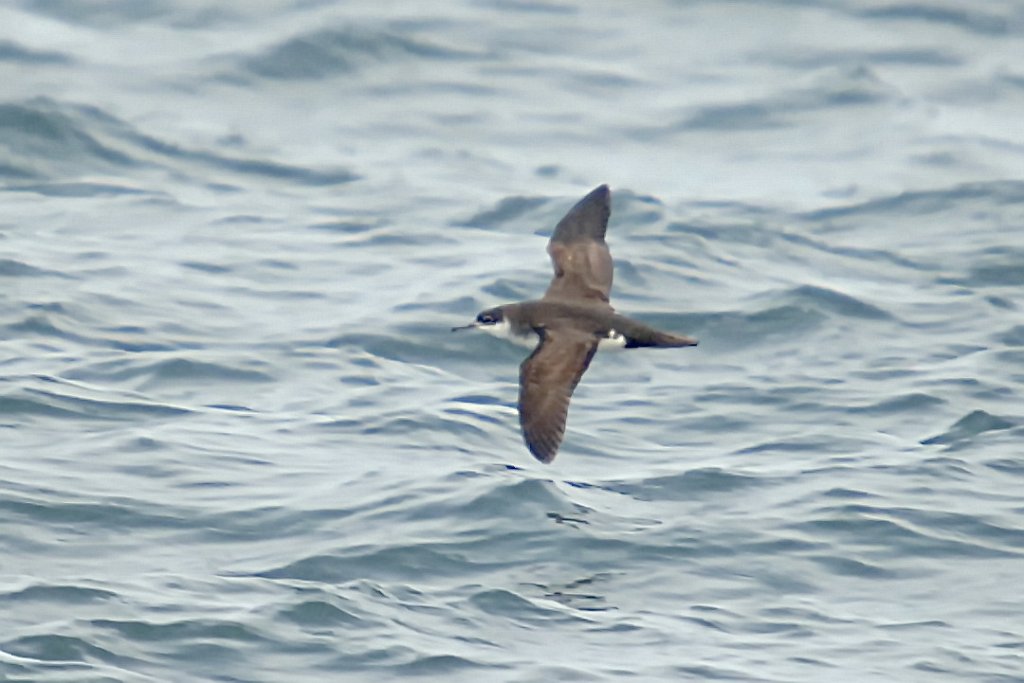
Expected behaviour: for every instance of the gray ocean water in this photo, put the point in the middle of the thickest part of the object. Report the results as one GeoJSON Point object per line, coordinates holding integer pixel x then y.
{"type": "Point", "coordinates": [239, 443]}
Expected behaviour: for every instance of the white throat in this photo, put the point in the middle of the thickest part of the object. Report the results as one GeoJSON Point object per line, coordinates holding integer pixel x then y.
{"type": "Point", "coordinates": [503, 330]}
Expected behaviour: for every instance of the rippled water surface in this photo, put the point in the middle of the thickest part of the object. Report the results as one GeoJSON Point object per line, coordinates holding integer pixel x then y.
{"type": "Point", "coordinates": [238, 442]}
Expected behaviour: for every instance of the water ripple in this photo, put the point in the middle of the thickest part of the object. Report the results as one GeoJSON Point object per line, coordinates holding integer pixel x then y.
{"type": "Point", "coordinates": [240, 444]}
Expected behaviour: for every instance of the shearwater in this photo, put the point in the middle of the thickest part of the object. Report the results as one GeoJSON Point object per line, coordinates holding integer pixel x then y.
{"type": "Point", "coordinates": [568, 324]}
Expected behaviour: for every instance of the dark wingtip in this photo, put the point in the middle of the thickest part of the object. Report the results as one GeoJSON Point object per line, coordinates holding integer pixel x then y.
{"type": "Point", "coordinates": [541, 446]}
{"type": "Point", "coordinates": [588, 218]}
{"type": "Point", "coordinates": [538, 451]}
{"type": "Point", "coordinates": [600, 197]}
{"type": "Point", "coordinates": [601, 192]}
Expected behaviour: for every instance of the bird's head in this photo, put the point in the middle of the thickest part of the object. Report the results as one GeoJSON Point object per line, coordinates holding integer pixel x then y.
{"type": "Point", "coordinates": [489, 321]}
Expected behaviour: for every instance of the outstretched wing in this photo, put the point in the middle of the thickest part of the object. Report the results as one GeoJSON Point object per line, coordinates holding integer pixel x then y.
{"type": "Point", "coordinates": [546, 382]}
{"type": "Point", "coordinates": [583, 264]}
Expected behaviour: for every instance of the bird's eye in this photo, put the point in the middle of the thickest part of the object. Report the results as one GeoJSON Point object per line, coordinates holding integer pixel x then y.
{"type": "Point", "coordinates": [485, 318]}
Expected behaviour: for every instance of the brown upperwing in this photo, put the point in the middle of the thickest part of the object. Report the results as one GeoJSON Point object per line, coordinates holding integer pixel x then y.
{"type": "Point", "coordinates": [583, 264]}
{"type": "Point", "coordinates": [546, 382]}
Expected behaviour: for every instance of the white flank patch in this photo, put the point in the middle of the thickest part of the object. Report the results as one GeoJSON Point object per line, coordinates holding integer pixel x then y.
{"type": "Point", "coordinates": [614, 341]}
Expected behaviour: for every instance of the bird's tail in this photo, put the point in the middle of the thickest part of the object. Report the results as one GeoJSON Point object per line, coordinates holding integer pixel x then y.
{"type": "Point", "coordinates": [658, 339]}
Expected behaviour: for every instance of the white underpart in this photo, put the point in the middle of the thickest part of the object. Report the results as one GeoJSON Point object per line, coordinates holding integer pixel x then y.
{"type": "Point", "coordinates": [503, 330]}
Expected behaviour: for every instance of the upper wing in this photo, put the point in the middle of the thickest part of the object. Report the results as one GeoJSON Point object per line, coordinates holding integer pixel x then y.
{"type": "Point", "coordinates": [546, 382]}
{"type": "Point", "coordinates": [583, 264]}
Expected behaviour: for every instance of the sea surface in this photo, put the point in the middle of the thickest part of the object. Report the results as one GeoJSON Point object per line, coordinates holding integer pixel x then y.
{"type": "Point", "coordinates": [238, 441]}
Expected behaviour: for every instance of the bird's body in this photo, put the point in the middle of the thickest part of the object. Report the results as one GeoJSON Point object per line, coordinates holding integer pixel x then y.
{"type": "Point", "coordinates": [520, 322]}
{"type": "Point", "coordinates": [568, 324]}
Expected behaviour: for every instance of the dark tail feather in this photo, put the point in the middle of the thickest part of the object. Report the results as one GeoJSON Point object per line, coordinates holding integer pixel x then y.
{"type": "Point", "coordinates": [657, 339]}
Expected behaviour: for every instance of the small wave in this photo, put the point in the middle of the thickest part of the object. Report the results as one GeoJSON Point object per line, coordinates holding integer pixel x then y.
{"type": "Point", "coordinates": [417, 349]}
{"type": "Point", "coordinates": [897, 534]}
{"type": "Point", "coordinates": [39, 134]}
{"type": "Point", "coordinates": [1001, 270]}
{"type": "Point", "coordinates": [843, 87]}
{"type": "Point", "coordinates": [167, 371]}
{"type": "Point", "coordinates": [1013, 336]}
{"type": "Point", "coordinates": [689, 485]}
{"type": "Point", "coordinates": [29, 401]}
{"type": "Point", "coordinates": [970, 426]}
{"type": "Point", "coordinates": [520, 499]}
{"type": "Point", "coordinates": [969, 19]}
{"type": "Point", "coordinates": [848, 566]}
{"type": "Point", "coordinates": [180, 631]}
{"type": "Point", "coordinates": [58, 325]}
{"type": "Point", "coordinates": [53, 140]}
{"type": "Point", "coordinates": [965, 196]}
{"type": "Point", "coordinates": [511, 605]}
{"type": "Point", "coordinates": [114, 512]}
{"type": "Point", "coordinates": [746, 116]}
{"type": "Point", "coordinates": [763, 234]}
{"type": "Point", "coordinates": [18, 174]}
{"type": "Point", "coordinates": [60, 594]}
{"type": "Point", "coordinates": [13, 268]}
{"type": "Point", "coordinates": [822, 443]}
{"type": "Point", "coordinates": [328, 52]}
{"type": "Point", "coordinates": [444, 665]}
{"type": "Point", "coordinates": [912, 402]}
{"type": "Point", "coordinates": [404, 563]}
{"type": "Point", "coordinates": [104, 15]}
{"type": "Point", "coordinates": [320, 614]}
{"type": "Point", "coordinates": [58, 648]}
{"type": "Point", "coordinates": [793, 312]}
{"type": "Point", "coordinates": [11, 51]}
{"type": "Point", "coordinates": [241, 165]}
{"type": "Point", "coordinates": [807, 57]}
{"type": "Point", "coordinates": [831, 301]}
{"type": "Point", "coordinates": [507, 210]}
{"type": "Point", "coordinates": [735, 330]}
{"type": "Point", "coordinates": [79, 189]}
